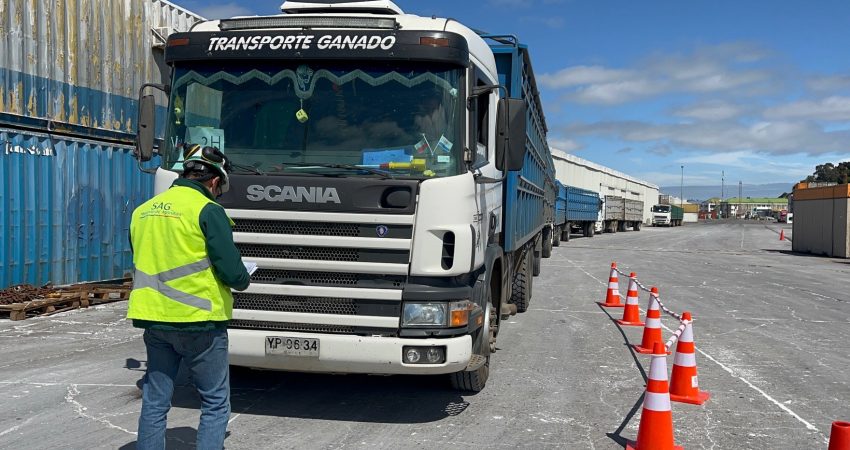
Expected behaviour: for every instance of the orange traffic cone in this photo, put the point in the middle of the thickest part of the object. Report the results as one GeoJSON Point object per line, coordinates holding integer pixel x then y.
{"type": "Point", "coordinates": [652, 329]}
{"type": "Point", "coordinates": [656, 420]}
{"type": "Point", "coordinates": [781, 235]}
{"type": "Point", "coordinates": [631, 313]}
{"type": "Point", "coordinates": [684, 386]}
{"type": "Point", "coordinates": [612, 297]}
{"type": "Point", "coordinates": [839, 437]}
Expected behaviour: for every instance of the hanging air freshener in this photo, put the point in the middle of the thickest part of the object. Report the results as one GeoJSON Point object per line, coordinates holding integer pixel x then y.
{"type": "Point", "coordinates": [301, 115]}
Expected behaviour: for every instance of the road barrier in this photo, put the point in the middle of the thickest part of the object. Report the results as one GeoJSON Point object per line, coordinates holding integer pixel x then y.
{"type": "Point", "coordinates": [612, 295]}
{"type": "Point", "coordinates": [684, 384]}
{"type": "Point", "coordinates": [656, 422]}
{"type": "Point", "coordinates": [631, 313]}
{"type": "Point", "coordinates": [839, 436]}
{"type": "Point", "coordinates": [656, 419]}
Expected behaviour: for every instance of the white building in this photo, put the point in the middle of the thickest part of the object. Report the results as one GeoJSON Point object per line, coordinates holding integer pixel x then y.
{"type": "Point", "coordinates": [574, 171]}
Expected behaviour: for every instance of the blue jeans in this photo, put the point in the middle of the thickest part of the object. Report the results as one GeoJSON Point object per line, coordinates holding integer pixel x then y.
{"type": "Point", "coordinates": [205, 355]}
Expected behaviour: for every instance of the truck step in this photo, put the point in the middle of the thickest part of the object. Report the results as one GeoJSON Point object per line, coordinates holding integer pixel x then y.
{"type": "Point", "coordinates": [475, 362]}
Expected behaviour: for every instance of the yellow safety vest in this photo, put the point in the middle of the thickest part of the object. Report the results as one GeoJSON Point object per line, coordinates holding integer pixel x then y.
{"type": "Point", "coordinates": [173, 280]}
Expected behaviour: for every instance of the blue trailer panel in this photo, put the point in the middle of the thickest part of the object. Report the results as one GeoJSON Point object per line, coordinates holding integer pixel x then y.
{"type": "Point", "coordinates": [530, 194]}
{"type": "Point", "coordinates": [65, 207]}
{"type": "Point", "coordinates": [561, 204]}
{"type": "Point", "coordinates": [582, 205]}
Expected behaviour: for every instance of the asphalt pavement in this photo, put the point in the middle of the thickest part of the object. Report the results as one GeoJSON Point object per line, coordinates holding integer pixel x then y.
{"type": "Point", "coordinates": [771, 331]}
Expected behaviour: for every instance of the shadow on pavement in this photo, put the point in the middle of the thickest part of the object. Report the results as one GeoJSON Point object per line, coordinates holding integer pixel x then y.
{"type": "Point", "coordinates": [355, 398]}
{"type": "Point", "coordinates": [180, 438]}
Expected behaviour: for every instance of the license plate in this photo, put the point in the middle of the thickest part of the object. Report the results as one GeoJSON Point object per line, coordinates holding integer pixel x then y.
{"type": "Point", "coordinates": [290, 346]}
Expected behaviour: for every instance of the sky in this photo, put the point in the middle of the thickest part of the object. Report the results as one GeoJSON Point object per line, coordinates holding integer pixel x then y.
{"type": "Point", "coordinates": [673, 91]}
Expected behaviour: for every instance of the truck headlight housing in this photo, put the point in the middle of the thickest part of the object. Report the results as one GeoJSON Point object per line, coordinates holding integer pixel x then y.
{"type": "Point", "coordinates": [437, 314]}
{"type": "Point", "coordinates": [430, 314]}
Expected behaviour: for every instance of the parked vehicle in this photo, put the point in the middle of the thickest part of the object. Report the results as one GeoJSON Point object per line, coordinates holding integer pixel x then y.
{"type": "Point", "coordinates": [621, 214]}
{"type": "Point", "coordinates": [667, 215]}
{"type": "Point", "coordinates": [379, 252]}
{"type": "Point", "coordinates": [577, 211]}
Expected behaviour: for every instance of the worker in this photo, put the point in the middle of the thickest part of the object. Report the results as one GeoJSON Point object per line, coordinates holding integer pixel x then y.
{"type": "Point", "coordinates": [185, 265]}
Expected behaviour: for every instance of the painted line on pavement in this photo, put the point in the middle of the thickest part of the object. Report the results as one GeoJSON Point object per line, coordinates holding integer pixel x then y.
{"type": "Point", "coordinates": [764, 394]}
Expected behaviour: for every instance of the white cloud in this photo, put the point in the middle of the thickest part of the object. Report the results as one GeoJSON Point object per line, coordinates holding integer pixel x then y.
{"type": "Point", "coordinates": [712, 69]}
{"type": "Point", "coordinates": [830, 109]}
{"type": "Point", "coordinates": [564, 145]}
{"type": "Point", "coordinates": [710, 110]}
{"type": "Point", "coordinates": [223, 10]}
{"type": "Point", "coordinates": [554, 22]}
{"type": "Point", "coordinates": [778, 137]}
{"type": "Point", "coordinates": [829, 83]}
{"type": "Point", "coordinates": [750, 160]}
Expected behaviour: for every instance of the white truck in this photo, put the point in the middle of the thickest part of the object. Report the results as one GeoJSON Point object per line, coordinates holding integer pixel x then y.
{"type": "Point", "coordinates": [388, 182]}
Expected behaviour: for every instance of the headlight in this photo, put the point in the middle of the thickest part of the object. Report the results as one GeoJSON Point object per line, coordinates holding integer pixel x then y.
{"type": "Point", "coordinates": [424, 315]}
{"type": "Point", "coordinates": [434, 314]}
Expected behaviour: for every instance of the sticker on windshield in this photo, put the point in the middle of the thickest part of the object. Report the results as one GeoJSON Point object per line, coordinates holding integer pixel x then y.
{"type": "Point", "coordinates": [206, 136]}
{"type": "Point", "coordinates": [444, 145]}
{"type": "Point", "coordinates": [444, 159]}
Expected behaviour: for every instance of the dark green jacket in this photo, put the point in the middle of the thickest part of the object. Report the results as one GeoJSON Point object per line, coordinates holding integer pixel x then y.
{"type": "Point", "coordinates": [223, 254]}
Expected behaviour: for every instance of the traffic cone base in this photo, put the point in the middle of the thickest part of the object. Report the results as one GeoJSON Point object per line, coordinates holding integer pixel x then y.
{"type": "Point", "coordinates": [644, 350]}
{"type": "Point", "coordinates": [701, 398]}
{"type": "Point", "coordinates": [632, 445]}
{"type": "Point", "coordinates": [630, 324]}
{"type": "Point", "coordinates": [611, 305]}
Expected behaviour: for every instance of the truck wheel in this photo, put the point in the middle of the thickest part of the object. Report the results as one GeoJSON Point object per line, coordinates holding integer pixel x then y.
{"type": "Point", "coordinates": [591, 229]}
{"type": "Point", "coordinates": [474, 381]}
{"type": "Point", "coordinates": [565, 235]}
{"type": "Point", "coordinates": [546, 250]}
{"type": "Point", "coordinates": [535, 265]}
{"type": "Point", "coordinates": [614, 227]}
{"type": "Point", "coordinates": [521, 287]}
{"type": "Point", "coordinates": [556, 237]}
{"type": "Point", "coordinates": [621, 226]}
{"type": "Point", "coordinates": [637, 226]}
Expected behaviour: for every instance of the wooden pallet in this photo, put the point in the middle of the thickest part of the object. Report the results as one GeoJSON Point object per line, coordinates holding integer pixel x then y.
{"type": "Point", "coordinates": [65, 302]}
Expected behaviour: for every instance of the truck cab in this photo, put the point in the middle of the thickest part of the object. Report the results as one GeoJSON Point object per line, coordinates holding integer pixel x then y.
{"type": "Point", "coordinates": [373, 153]}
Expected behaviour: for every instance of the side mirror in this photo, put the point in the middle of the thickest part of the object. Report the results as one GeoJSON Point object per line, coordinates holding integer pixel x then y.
{"type": "Point", "coordinates": [510, 134]}
{"type": "Point", "coordinates": [146, 127]}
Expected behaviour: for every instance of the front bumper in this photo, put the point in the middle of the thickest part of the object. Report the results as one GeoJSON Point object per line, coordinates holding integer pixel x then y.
{"type": "Point", "coordinates": [347, 353]}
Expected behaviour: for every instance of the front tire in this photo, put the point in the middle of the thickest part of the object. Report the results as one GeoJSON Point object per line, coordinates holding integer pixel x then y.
{"type": "Point", "coordinates": [521, 287]}
{"type": "Point", "coordinates": [485, 342]}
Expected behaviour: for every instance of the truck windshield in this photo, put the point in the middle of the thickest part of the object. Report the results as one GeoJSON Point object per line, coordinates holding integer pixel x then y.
{"type": "Point", "coordinates": [661, 208]}
{"type": "Point", "coordinates": [401, 119]}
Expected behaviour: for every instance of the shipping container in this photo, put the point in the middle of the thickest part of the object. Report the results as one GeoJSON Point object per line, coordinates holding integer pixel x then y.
{"type": "Point", "coordinates": [70, 73]}
{"type": "Point", "coordinates": [65, 208]}
{"type": "Point", "coordinates": [77, 65]}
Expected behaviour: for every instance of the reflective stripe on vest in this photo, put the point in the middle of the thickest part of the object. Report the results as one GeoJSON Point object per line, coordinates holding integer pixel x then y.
{"type": "Point", "coordinates": [157, 283]}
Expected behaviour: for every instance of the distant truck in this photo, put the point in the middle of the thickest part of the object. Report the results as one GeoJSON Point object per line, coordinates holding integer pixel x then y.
{"type": "Point", "coordinates": [667, 215]}
{"type": "Point", "coordinates": [576, 210]}
{"type": "Point", "coordinates": [621, 214]}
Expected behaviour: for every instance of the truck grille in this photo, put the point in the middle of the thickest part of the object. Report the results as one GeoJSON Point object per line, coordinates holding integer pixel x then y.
{"type": "Point", "coordinates": [286, 303]}
{"type": "Point", "coordinates": [285, 326]}
{"type": "Point", "coordinates": [275, 276]}
{"type": "Point", "coordinates": [322, 253]}
{"type": "Point", "coordinates": [296, 227]}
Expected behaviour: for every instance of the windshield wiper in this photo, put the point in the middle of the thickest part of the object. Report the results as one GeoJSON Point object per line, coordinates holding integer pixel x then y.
{"type": "Point", "coordinates": [351, 167]}
{"type": "Point", "coordinates": [251, 169]}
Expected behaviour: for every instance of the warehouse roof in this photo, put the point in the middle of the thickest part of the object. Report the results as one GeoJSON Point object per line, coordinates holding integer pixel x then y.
{"type": "Point", "coordinates": [756, 200]}
{"type": "Point", "coordinates": [558, 154]}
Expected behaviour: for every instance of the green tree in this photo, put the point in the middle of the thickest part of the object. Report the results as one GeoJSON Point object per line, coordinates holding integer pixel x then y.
{"type": "Point", "coordinates": [831, 173]}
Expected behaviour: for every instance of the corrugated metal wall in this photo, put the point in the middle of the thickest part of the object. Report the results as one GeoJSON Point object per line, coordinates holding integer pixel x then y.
{"type": "Point", "coordinates": [70, 71]}
{"type": "Point", "coordinates": [81, 62]}
{"type": "Point", "coordinates": [65, 208]}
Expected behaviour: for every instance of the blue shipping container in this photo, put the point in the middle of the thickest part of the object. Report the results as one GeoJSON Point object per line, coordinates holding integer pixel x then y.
{"type": "Point", "coordinates": [65, 206]}
{"type": "Point", "coordinates": [561, 204]}
{"type": "Point", "coordinates": [582, 205]}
